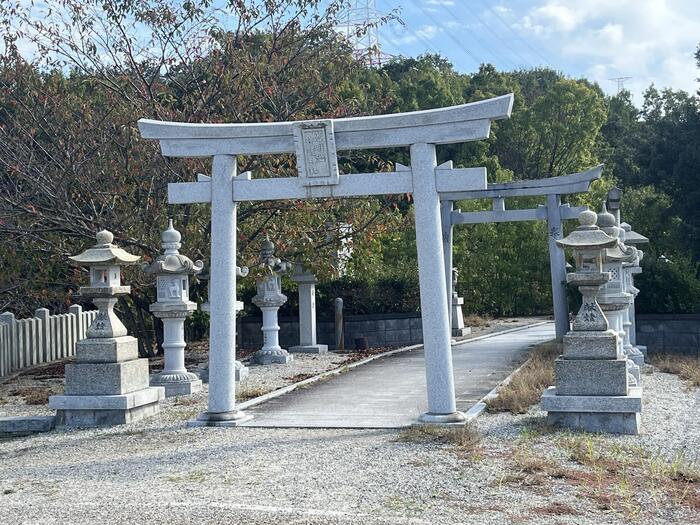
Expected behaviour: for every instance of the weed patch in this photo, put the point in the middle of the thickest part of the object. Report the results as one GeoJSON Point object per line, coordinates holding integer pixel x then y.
{"type": "Point", "coordinates": [526, 387]}
{"type": "Point", "coordinates": [464, 439]}
{"type": "Point", "coordinates": [687, 368]}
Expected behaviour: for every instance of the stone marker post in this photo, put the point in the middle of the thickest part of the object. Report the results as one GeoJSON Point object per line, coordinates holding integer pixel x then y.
{"type": "Point", "coordinates": [458, 328]}
{"type": "Point", "coordinates": [306, 282]}
{"type": "Point", "coordinates": [269, 299]}
{"type": "Point", "coordinates": [592, 391]}
{"type": "Point", "coordinates": [172, 271]}
{"type": "Point", "coordinates": [108, 383]}
{"type": "Point", "coordinates": [242, 371]}
{"type": "Point", "coordinates": [339, 326]}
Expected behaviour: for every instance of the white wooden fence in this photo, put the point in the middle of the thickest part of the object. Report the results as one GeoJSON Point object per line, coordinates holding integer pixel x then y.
{"type": "Point", "coordinates": [41, 339]}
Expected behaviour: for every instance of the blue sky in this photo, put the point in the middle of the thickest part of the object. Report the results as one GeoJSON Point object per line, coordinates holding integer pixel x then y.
{"type": "Point", "coordinates": [648, 40]}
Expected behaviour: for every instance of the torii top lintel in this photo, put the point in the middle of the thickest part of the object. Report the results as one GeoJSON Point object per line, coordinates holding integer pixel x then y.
{"type": "Point", "coordinates": [448, 125]}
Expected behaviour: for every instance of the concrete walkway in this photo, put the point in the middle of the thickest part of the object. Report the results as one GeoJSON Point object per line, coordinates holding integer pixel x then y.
{"type": "Point", "coordinates": [390, 392]}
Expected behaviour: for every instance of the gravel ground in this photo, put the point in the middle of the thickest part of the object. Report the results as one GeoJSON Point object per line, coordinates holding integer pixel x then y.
{"type": "Point", "coordinates": [160, 471]}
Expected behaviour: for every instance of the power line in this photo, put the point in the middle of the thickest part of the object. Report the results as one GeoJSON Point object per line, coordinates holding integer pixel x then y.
{"type": "Point", "coordinates": [515, 33]}
{"type": "Point", "coordinates": [450, 36]}
{"type": "Point", "coordinates": [491, 30]}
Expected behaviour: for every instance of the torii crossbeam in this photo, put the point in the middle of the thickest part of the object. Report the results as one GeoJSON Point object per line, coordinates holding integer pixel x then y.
{"type": "Point", "coordinates": [553, 211]}
{"type": "Point", "coordinates": [315, 144]}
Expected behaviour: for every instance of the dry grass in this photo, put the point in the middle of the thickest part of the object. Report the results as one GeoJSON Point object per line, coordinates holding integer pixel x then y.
{"type": "Point", "coordinates": [615, 476]}
{"type": "Point", "coordinates": [687, 368]}
{"type": "Point", "coordinates": [526, 387]}
{"type": "Point", "coordinates": [34, 395]}
{"type": "Point", "coordinates": [465, 439]}
{"type": "Point", "coordinates": [477, 321]}
{"type": "Point", "coordinates": [245, 392]}
{"type": "Point", "coordinates": [555, 509]}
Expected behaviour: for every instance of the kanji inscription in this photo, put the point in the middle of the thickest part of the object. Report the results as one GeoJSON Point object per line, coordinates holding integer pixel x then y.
{"type": "Point", "coordinates": [317, 160]}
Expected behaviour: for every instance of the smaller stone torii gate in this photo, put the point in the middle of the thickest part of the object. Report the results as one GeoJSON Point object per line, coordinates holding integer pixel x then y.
{"type": "Point", "coordinates": [553, 211]}
{"type": "Point", "coordinates": [315, 144]}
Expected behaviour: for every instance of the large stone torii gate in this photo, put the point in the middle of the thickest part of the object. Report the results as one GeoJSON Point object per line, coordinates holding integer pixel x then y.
{"type": "Point", "coordinates": [315, 144]}
{"type": "Point", "coordinates": [553, 211]}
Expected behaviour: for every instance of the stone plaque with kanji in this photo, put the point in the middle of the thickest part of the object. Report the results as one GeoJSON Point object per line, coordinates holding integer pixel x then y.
{"type": "Point", "coordinates": [317, 161]}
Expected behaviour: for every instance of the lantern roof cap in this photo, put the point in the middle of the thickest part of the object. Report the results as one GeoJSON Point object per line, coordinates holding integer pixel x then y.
{"type": "Point", "coordinates": [171, 261]}
{"type": "Point", "coordinates": [171, 235]}
{"type": "Point", "coordinates": [104, 252]}
{"type": "Point", "coordinates": [587, 235]}
{"type": "Point", "coordinates": [605, 218]}
{"type": "Point", "coordinates": [631, 236]}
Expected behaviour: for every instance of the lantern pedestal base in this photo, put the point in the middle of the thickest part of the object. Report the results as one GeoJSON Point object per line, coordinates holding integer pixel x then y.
{"type": "Point", "coordinates": [101, 411]}
{"type": "Point", "coordinates": [271, 357]}
{"type": "Point", "coordinates": [613, 414]}
{"type": "Point", "coordinates": [178, 388]}
{"type": "Point", "coordinates": [309, 349]}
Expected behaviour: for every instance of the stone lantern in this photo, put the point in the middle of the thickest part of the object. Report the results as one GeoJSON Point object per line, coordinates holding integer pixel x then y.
{"type": "Point", "coordinates": [592, 391]}
{"type": "Point", "coordinates": [108, 383]}
{"type": "Point", "coordinates": [614, 297]}
{"type": "Point", "coordinates": [241, 370]}
{"type": "Point", "coordinates": [269, 299]}
{"type": "Point", "coordinates": [173, 306]}
{"type": "Point", "coordinates": [632, 238]}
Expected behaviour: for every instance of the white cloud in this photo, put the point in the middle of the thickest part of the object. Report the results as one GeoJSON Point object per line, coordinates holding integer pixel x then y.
{"type": "Point", "coordinates": [649, 40]}
{"type": "Point", "coordinates": [555, 16]}
{"type": "Point", "coordinates": [502, 9]}
{"type": "Point", "coordinates": [426, 32]}
{"type": "Point", "coordinates": [441, 2]}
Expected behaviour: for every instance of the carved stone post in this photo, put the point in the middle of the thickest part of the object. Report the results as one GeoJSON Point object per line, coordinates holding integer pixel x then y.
{"type": "Point", "coordinates": [307, 312]}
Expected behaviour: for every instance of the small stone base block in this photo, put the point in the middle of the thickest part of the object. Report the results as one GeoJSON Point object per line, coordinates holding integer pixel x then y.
{"type": "Point", "coordinates": [612, 423]}
{"type": "Point", "coordinates": [612, 414]}
{"type": "Point", "coordinates": [461, 332]}
{"type": "Point", "coordinates": [107, 350]}
{"type": "Point", "coordinates": [309, 349]}
{"type": "Point", "coordinates": [454, 419]}
{"type": "Point", "coordinates": [272, 359]}
{"type": "Point", "coordinates": [98, 379]}
{"type": "Point", "coordinates": [241, 373]}
{"type": "Point", "coordinates": [179, 388]}
{"type": "Point", "coordinates": [592, 345]}
{"type": "Point", "coordinates": [591, 377]}
{"type": "Point", "coordinates": [99, 411]}
{"type": "Point", "coordinates": [228, 419]}
{"type": "Point", "coordinates": [551, 402]}
{"type": "Point", "coordinates": [25, 425]}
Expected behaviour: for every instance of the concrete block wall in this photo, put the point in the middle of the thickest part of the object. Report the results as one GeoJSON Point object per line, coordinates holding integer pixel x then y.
{"type": "Point", "coordinates": [679, 333]}
{"type": "Point", "coordinates": [379, 329]}
{"type": "Point", "coordinates": [41, 339]}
